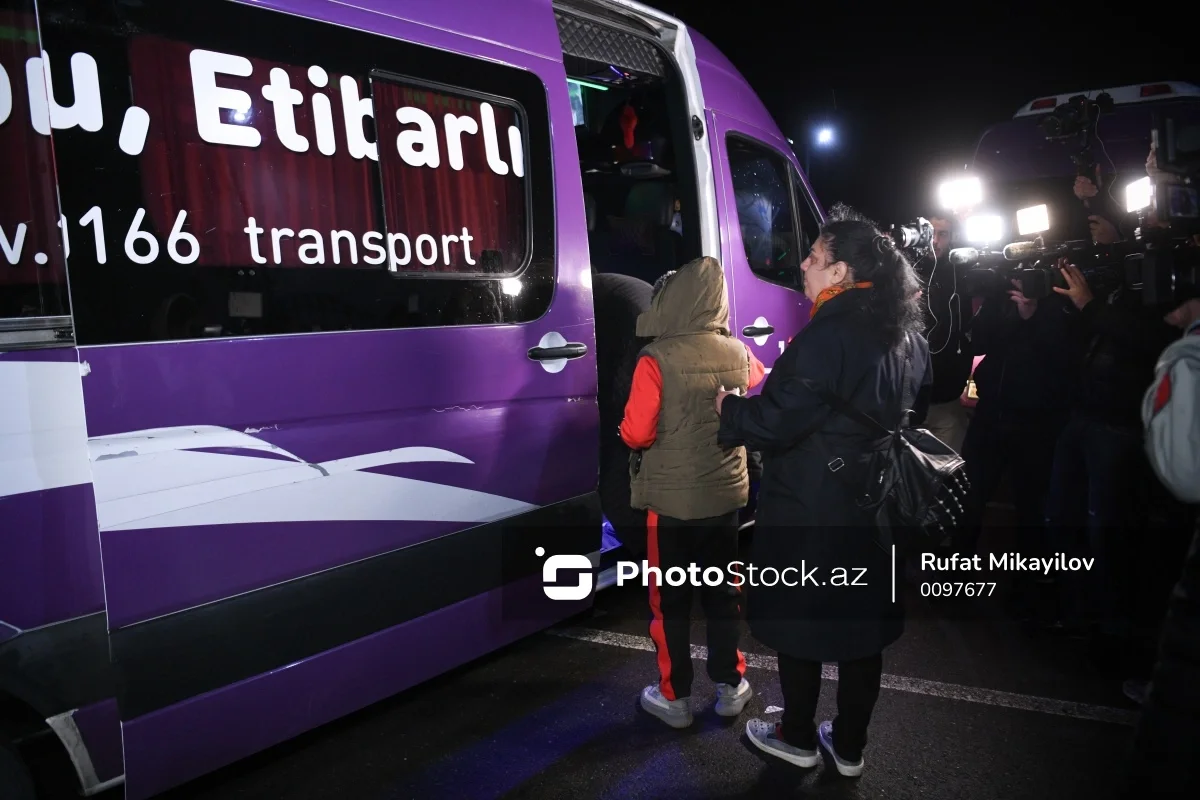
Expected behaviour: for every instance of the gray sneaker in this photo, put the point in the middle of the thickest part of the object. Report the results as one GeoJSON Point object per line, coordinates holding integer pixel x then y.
{"type": "Point", "coordinates": [850, 769]}
{"type": "Point", "coordinates": [766, 737]}
{"type": "Point", "coordinates": [732, 699]}
{"type": "Point", "coordinates": [676, 713]}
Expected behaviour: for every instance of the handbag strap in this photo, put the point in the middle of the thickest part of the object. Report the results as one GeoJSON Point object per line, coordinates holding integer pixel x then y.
{"type": "Point", "coordinates": [843, 405]}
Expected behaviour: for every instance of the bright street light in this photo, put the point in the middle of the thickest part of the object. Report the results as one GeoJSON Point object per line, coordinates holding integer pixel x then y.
{"type": "Point", "coordinates": [824, 139]}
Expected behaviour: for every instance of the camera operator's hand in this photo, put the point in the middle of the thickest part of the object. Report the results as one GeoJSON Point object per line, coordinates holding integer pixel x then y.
{"type": "Point", "coordinates": [1152, 165]}
{"type": "Point", "coordinates": [1085, 188]}
{"type": "Point", "coordinates": [1077, 287]}
{"type": "Point", "coordinates": [1025, 306]}
{"type": "Point", "coordinates": [1185, 315]}
{"type": "Point", "coordinates": [1103, 231]}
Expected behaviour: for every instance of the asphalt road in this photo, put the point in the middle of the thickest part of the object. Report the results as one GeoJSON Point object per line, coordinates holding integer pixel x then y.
{"type": "Point", "coordinates": [973, 706]}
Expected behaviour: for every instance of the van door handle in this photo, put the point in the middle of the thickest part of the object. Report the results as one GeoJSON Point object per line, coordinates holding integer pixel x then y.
{"type": "Point", "coordinates": [570, 350]}
{"type": "Point", "coordinates": [752, 331]}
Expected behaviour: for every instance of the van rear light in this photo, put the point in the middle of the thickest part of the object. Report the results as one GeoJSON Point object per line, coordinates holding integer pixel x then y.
{"type": "Point", "coordinates": [1045, 102]}
{"type": "Point", "coordinates": [1154, 89]}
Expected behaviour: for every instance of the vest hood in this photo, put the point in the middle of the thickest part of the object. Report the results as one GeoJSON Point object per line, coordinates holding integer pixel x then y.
{"type": "Point", "coordinates": [694, 300]}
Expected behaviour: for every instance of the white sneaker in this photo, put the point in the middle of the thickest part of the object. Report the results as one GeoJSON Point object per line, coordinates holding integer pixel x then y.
{"type": "Point", "coordinates": [766, 736]}
{"type": "Point", "coordinates": [849, 769]}
{"type": "Point", "coordinates": [732, 699]}
{"type": "Point", "coordinates": [676, 713]}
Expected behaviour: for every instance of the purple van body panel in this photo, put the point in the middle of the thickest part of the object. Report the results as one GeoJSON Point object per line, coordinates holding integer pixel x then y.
{"type": "Point", "coordinates": [50, 569]}
{"type": "Point", "coordinates": [100, 726]}
{"type": "Point", "coordinates": [524, 25]}
{"type": "Point", "coordinates": [155, 571]}
{"type": "Point", "coordinates": [318, 387]}
{"type": "Point", "coordinates": [175, 744]}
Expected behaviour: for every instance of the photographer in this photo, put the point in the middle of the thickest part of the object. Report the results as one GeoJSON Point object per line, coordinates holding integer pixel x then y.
{"type": "Point", "coordinates": [949, 347]}
{"type": "Point", "coordinates": [1098, 495]}
{"type": "Point", "coordinates": [1025, 384]}
{"type": "Point", "coordinates": [1102, 216]}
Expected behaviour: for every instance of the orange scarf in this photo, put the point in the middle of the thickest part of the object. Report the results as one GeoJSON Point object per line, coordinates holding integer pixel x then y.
{"type": "Point", "coordinates": [834, 291]}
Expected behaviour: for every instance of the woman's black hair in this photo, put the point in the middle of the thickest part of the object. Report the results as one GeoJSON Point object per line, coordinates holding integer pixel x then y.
{"type": "Point", "coordinates": [872, 256]}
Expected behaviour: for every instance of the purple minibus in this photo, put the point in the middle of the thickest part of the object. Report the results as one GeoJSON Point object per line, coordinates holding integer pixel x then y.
{"type": "Point", "coordinates": [314, 323]}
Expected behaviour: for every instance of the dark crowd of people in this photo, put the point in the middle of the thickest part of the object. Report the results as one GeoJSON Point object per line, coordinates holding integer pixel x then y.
{"type": "Point", "coordinates": [1056, 435]}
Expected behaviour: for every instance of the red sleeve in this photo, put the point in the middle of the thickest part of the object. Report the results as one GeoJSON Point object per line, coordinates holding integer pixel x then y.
{"type": "Point", "coordinates": [757, 370]}
{"type": "Point", "coordinates": [640, 425]}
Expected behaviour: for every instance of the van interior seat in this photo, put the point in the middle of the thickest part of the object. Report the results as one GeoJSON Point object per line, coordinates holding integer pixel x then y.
{"type": "Point", "coordinates": [653, 201]}
{"type": "Point", "coordinates": [639, 241]}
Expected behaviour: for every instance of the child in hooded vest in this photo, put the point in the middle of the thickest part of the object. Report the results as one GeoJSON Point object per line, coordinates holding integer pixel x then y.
{"type": "Point", "coordinates": [691, 488]}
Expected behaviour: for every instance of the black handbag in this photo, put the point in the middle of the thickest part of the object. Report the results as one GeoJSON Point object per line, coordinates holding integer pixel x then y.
{"type": "Point", "coordinates": [916, 483]}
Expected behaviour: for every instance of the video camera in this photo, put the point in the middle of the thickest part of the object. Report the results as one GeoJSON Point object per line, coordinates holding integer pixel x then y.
{"type": "Point", "coordinates": [1163, 267]}
{"type": "Point", "coordinates": [1177, 153]}
{"type": "Point", "coordinates": [1162, 261]}
{"type": "Point", "coordinates": [1076, 118]}
{"type": "Point", "coordinates": [1035, 264]}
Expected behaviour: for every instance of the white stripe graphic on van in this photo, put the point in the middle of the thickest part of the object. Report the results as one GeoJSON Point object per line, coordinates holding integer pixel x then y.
{"type": "Point", "coordinates": [158, 479]}
{"type": "Point", "coordinates": [43, 435]}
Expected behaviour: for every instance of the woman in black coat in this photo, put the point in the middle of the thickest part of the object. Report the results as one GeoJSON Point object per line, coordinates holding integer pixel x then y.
{"type": "Point", "coordinates": [863, 343]}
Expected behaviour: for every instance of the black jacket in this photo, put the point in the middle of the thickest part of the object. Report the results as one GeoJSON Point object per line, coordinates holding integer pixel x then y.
{"type": "Point", "coordinates": [1163, 762]}
{"type": "Point", "coordinates": [1030, 366]}
{"type": "Point", "coordinates": [807, 513]}
{"type": "Point", "coordinates": [948, 316]}
{"type": "Point", "coordinates": [1121, 339]}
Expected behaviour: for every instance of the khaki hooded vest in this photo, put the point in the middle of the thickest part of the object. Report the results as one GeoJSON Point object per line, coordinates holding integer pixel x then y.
{"type": "Point", "coordinates": [685, 474]}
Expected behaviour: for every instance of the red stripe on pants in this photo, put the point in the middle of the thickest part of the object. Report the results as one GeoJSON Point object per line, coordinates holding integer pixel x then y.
{"type": "Point", "coordinates": [741, 658]}
{"type": "Point", "coordinates": [657, 632]}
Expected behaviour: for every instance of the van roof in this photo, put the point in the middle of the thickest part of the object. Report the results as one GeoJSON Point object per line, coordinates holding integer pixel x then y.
{"type": "Point", "coordinates": [1121, 95]}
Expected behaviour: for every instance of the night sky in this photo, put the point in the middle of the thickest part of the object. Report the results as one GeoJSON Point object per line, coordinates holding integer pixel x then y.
{"type": "Point", "coordinates": [915, 86]}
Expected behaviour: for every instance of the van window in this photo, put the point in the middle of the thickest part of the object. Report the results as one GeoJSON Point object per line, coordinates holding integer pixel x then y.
{"type": "Point", "coordinates": [33, 279]}
{"type": "Point", "coordinates": [317, 179]}
{"type": "Point", "coordinates": [477, 187]}
{"type": "Point", "coordinates": [762, 191]}
{"type": "Point", "coordinates": [810, 225]}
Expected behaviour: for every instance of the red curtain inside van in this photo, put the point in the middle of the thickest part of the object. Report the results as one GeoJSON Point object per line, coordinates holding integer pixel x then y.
{"type": "Point", "coordinates": [222, 186]}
